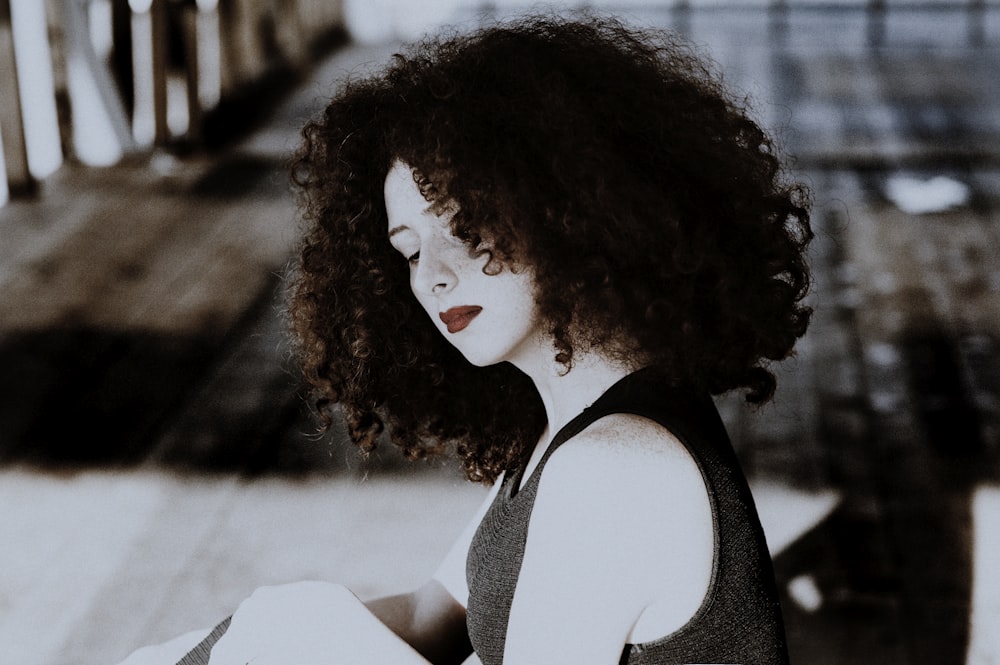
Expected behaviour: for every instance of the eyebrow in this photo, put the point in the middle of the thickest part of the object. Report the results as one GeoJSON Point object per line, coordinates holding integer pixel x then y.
{"type": "Point", "coordinates": [403, 227]}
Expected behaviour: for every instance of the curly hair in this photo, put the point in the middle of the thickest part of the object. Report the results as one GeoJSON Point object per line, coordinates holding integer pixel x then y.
{"type": "Point", "coordinates": [611, 161]}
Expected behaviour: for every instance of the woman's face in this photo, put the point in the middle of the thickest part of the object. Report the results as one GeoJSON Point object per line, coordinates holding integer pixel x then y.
{"type": "Point", "coordinates": [488, 318]}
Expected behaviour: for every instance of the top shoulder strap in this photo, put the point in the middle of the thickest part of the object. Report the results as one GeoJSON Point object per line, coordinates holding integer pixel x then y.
{"type": "Point", "coordinates": [687, 414]}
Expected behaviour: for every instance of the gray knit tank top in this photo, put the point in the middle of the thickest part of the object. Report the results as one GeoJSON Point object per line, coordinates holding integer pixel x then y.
{"type": "Point", "coordinates": [739, 621]}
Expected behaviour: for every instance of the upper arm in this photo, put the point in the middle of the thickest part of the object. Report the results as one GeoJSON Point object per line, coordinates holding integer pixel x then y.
{"type": "Point", "coordinates": [429, 620]}
{"type": "Point", "coordinates": [450, 574]}
{"type": "Point", "coordinates": [432, 618]}
{"type": "Point", "coordinates": [621, 521]}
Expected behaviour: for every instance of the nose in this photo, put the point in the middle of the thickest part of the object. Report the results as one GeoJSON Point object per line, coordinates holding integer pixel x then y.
{"type": "Point", "coordinates": [433, 274]}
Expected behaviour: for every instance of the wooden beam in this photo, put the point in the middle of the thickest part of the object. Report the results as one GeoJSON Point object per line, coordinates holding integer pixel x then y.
{"type": "Point", "coordinates": [15, 150]}
{"type": "Point", "coordinates": [161, 63]}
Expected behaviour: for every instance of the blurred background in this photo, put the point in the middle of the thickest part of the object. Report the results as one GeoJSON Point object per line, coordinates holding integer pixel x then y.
{"type": "Point", "coordinates": [157, 457]}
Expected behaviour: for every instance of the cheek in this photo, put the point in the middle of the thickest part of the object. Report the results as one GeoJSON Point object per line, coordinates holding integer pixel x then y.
{"type": "Point", "coordinates": [520, 298]}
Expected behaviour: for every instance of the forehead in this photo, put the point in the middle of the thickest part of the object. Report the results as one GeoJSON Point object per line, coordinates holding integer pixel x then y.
{"type": "Point", "coordinates": [402, 196]}
{"type": "Point", "coordinates": [405, 205]}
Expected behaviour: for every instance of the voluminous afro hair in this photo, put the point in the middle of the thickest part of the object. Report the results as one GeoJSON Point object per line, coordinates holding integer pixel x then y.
{"type": "Point", "coordinates": [611, 162]}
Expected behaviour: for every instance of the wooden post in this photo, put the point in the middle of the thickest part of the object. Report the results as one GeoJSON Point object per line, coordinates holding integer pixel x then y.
{"type": "Point", "coordinates": [121, 55]}
{"type": "Point", "coordinates": [15, 149]}
{"type": "Point", "coordinates": [292, 33]}
{"type": "Point", "coordinates": [192, 69]}
{"type": "Point", "coordinates": [60, 76]}
{"type": "Point", "coordinates": [228, 59]}
{"type": "Point", "coordinates": [161, 64]}
{"type": "Point", "coordinates": [778, 23]}
{"type": "Point", "coordinates": [977, 14]}
{"type": "Point", "coordinates": [103, 101]}
{"type": "Point", "coordinates": [681, 10]}
{"type": "Point", "coordinates": [876, 23]}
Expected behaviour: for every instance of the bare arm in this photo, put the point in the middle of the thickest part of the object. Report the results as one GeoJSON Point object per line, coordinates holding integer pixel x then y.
{"type": "Point", "coordinates": [316, 623]}
{"type": "Point", "coordinates": [428, 619]}
{"type": "Point", "coordinates": [619, 548]}
{"type": "Point", "coordinates": [432, 618]}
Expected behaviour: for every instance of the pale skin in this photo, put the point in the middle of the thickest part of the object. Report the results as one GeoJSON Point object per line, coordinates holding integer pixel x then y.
{"type": "Point", "coordinates": [620, 546]}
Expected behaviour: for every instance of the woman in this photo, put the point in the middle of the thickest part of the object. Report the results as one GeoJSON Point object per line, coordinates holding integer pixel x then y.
{"type": "Point", "coordinates": [543, 247]}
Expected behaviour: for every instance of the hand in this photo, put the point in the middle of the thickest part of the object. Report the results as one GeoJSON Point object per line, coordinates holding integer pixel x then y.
{"type": "Point", "coordinates": [308, 623]}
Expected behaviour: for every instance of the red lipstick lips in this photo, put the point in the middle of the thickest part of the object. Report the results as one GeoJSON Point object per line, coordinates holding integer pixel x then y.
{"type": "Point", "coordinates": [457, 318]}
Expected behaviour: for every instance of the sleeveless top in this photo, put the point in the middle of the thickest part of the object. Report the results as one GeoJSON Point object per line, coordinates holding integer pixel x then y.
{"type": "Point", "coordinates": [739, 620]}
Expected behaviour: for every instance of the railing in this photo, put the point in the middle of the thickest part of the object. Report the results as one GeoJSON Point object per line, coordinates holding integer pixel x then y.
{"type": "Point", "coordinates": [95, 80]}
{"type": "Point", "coordinates": [876, 11]}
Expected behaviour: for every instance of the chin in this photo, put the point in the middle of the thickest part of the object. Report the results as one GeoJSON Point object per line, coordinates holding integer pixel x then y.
{"type": "Point", "coordinates": [482, 349]}
{"type": "Point", "coordinates": [481, 357]}
{"type": "Point", "coordinates": [480, 360]}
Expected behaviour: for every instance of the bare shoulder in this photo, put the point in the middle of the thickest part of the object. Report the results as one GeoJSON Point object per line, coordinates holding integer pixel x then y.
{"type": "Point", "coordinates": [626, 504]}
{"type": "Point", "coordinates": [627, 472]}
{"type": "Point", "coordinates": [625, 445]}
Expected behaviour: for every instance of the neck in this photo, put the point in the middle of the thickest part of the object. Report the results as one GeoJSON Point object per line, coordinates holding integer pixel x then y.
{"type": "Point", "coordinates": [565, 394]}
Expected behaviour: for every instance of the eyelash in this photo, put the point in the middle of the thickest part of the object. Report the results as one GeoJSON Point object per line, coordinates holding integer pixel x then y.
{"type": "Point", "coordinates": [414, 258]}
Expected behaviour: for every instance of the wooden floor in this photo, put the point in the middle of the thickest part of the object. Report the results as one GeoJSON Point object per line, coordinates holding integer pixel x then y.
{"type": "Point", "coordinates": [158, 463]}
